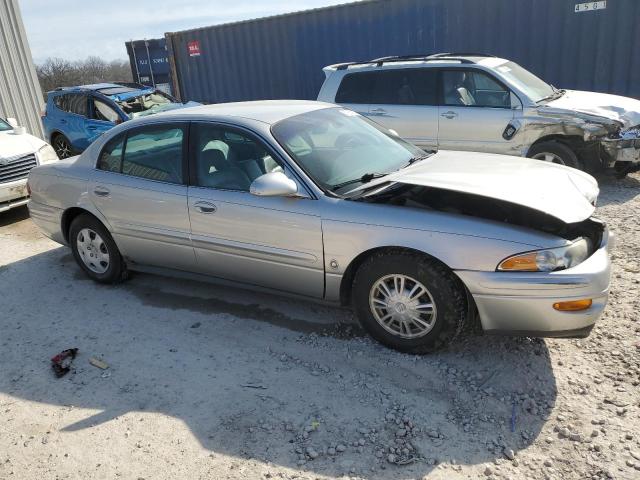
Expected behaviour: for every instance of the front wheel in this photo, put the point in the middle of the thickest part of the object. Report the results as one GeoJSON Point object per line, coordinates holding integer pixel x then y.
{"type": "Point", "coordinates": [409, 302]}
{"type": "Point", "coordinates": [555, 152]}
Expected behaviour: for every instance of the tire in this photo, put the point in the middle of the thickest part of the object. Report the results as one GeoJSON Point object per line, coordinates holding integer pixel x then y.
{"type": "Point", "coordinates": [555, 152]}
{"type": "Point", "coordinates": [62, 146]}
{"type": "Point", "coordinates": [443, 291]}
{"type": "Point", "coordinates": [88, 231]}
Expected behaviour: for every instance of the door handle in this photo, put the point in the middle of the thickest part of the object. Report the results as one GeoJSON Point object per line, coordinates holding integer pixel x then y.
{"type": "Point", "coordinates": [449, 114]}
{"type": "Point", "coordinates": [62, 120]}
{"type": "Point", "coordinates": [101, 191]}
{"type": "Point", "coordinates": [205, 207]}
{"type": "Point", "coordinates": [379, 111]}
{"type": "Point", "coordinates": [92, 127]}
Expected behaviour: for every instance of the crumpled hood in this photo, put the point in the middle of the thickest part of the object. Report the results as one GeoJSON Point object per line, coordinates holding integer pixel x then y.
{"type": "Point", "coordinates": [562, 192]}
{"type": "Point", "coordinates": [16, 146]}
{"type": "Point", "coordinates": [614, 107]}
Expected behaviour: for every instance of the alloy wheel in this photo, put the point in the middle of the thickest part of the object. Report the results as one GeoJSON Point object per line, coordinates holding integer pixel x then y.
{"type": "Point", "coordinates": [62, 147]}
{"type": "Point", "coordinates": [549, 157]}
{"type": "Point", "coordinates": [403, 306]}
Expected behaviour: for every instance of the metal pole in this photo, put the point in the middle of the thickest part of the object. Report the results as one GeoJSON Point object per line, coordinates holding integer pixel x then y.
{"type": "Point", "coordinates": [135, 60]}
{"type": "Point", "coordinates": [153, 81]}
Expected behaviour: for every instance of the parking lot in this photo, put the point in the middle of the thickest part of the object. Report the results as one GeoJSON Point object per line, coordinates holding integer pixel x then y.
{"type": "Point", "coordinates": [210, 382]}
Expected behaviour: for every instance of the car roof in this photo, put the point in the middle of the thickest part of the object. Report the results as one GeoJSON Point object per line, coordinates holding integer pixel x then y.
{"type": "Point", "coordinates": [266, 111]}
{"type": "Point", "coordinates": [115, 90]}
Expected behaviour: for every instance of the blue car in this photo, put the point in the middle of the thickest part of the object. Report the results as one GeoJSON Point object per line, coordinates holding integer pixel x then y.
{"type": "Point", "coordinates": [75, 116]}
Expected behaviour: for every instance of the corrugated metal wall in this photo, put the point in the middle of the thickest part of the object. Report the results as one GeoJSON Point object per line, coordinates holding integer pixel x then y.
{"type": "Point", "coordinates": [20, 95]}
{"type": "Point", "coordinates": [282, 56]}
{"type": "Point", "coordinates": [149, 61]}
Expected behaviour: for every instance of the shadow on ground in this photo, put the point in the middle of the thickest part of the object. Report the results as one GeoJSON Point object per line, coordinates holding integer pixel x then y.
{"type": "Point", "coordinates": [14, 215]}
{"type": "Point", "coordinates": [254, 376]}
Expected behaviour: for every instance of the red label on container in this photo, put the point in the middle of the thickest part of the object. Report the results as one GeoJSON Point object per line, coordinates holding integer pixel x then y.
{"type": "Point", "coordinates": [194, 48]}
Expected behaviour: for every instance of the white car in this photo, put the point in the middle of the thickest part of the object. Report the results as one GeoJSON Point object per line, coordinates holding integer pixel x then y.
{"type": "Point", "coordinates": [487, 104]}
{"type": "Point", "coordinates": [19, 153]}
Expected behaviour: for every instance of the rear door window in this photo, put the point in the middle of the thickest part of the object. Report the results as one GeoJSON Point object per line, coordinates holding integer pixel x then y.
{"type": "Point", "coordinates": [155, 153]}
{"type": "Point", "coordinates": [110, 158]}
{"type": "Point", "coordinates": [409, 86]}
{"type": "Point", "coordinates": [77, 103]}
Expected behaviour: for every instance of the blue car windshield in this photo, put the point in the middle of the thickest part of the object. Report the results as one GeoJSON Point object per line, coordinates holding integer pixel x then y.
{"type": "Point", "coordinates": [337, 147]}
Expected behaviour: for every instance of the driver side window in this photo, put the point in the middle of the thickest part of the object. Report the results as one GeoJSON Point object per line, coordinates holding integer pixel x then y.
{"type": "Point", "coordinates": [469, 88]}
{"type": "Point", "coordinates": [227, 159]}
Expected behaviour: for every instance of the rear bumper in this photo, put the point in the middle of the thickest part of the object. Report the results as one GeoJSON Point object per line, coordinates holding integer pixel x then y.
{"type": "Point", "coordinates": [522, 303]}
{"type": "Point", "coordinates": [13, 194]}
{"type": "Point", "coordinates": [48, 219]}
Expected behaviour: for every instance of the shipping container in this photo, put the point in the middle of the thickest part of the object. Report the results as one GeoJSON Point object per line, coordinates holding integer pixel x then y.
{"type": "Point", "coordinates": [569, 43]}
{"type": "Point", "coordinates": [150, 63]}
{"type": "Point", "coordinates": [20, 94]}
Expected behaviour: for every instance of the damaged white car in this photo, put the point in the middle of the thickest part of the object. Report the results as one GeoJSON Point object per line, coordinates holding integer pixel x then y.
{"type": "Point", "coordinates": [487, 104]}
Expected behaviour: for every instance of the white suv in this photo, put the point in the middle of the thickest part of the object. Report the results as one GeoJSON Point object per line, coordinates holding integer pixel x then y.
{"type": "Point", "coordinates": [483, 103]}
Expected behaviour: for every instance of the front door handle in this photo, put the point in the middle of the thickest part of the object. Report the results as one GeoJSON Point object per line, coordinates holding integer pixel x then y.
{"type": "Point", "coordinates": [205, 207]}
{"type": "Point", "coordinates": [92, 127]}
{"type": "Point", "coordinates": [101, 191]}
{"type": "Point", "coordinates": [449, 114]}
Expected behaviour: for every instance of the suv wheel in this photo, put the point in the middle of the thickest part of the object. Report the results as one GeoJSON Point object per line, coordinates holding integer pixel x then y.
{"type": "Point", "coordinates": [62, 146]}
{"type": "Point", "coordinates": [95, 251]}
{"type": "Point", "coordinates": [409, 302]}
{"type": "Point", "coordinates": [555, 152]}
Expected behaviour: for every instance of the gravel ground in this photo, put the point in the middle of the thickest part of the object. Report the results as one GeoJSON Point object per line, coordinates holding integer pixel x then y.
{"type": "Point", "coordinates": [210, 383]}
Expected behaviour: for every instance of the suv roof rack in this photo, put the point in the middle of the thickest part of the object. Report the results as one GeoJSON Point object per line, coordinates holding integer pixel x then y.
{"type": "Point", "coordinates": [425, 57]}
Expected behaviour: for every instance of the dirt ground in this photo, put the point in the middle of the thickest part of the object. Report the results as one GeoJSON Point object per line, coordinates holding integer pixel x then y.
{"type": "Point", "coordinates": [206, 382]}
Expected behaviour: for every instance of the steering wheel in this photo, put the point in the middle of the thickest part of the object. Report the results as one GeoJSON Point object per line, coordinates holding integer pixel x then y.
{"type": "Point", "coordinates": [352, 140]}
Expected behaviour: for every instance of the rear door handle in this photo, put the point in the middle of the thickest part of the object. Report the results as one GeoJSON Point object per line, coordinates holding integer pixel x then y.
{"type": "Point", "coordinates": [449, 114]}
{"type": "Point", "coordinates": [379, 111]}
{"type": "Point", "coordinates": [101, 191]}
{"type": "Point", "coordinates": [205, 207]}
{"type": "Point", "coordinates": [92, 127]}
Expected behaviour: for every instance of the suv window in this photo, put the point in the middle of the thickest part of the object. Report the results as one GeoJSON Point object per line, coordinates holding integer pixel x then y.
{"type": "Point", "coordinates": [408, 86]}
{"type": "Point", "coordinates": [472, 88]}
{"type": "Point", "coordinates": [155, 153]}
{"type": "Point", "coordinates": [61, 102]}
{"type": "Point", "coordinates": [77, 103]}
{"type": "Point", "coordinates": [111, 156]}
{"type": "Point", "coordinates": [104, 111]}
{"type": "Point", "coordinates": [227, 159]}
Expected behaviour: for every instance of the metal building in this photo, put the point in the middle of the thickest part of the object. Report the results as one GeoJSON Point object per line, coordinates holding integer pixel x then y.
{"type": "Point", "coordinates": [20, 94]}
{"type": "Point", "coordinates": [570, 43]}
{"type": "Point", "coordinates": [150, 63]}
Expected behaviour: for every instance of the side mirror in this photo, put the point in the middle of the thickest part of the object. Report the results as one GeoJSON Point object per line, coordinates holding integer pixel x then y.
{"type": "Point", "coordinates": [274, 184]}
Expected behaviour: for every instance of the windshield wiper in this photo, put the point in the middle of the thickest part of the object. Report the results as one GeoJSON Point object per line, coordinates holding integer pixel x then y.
{"type": "Point", "coordinates": [366, 178]}
{"type": "Point", "coordinates": [418, 158]}
{"type": "Point", "coordinates": [553, 96]}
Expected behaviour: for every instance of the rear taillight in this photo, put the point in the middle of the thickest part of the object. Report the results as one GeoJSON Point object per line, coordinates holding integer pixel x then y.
{"type": "Point", "coordinates": [43, 113]}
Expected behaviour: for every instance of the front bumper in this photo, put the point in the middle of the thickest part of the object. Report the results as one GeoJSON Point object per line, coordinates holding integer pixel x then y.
{"type": "Point", "coordinates": [13, 194]}
{"type": "Point", "coordinates": [625, 150]}
{"type": "Point", "coordinates": [522, 303]}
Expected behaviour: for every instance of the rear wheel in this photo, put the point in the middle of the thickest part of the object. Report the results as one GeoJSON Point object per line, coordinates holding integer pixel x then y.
{"type": "Point", "coordinates": [95, 251]}
{"type": "Point", "coordinates": [62, 146]}
{"type": "Point", "coordinates": [555, 152]}
{"type": "Point", "coordinates": [409, 302]}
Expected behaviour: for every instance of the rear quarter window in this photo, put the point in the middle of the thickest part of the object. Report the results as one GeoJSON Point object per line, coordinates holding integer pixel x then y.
{"type": "Point", "coordinates": [356, 88]}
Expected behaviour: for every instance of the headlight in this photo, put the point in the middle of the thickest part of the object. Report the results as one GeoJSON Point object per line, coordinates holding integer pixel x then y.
{"type": "Point", "coordinates": [47, 154]}
{"type": "Point", "coordinates": [548, 260]}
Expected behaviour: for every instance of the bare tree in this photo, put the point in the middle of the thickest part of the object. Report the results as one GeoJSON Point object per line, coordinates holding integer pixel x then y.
{"type": "Point", "coordinates": [58, 72]}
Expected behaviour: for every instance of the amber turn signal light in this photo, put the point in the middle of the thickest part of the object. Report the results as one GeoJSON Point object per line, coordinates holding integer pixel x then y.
{"type": "Point", "coordinates": [573, 305]}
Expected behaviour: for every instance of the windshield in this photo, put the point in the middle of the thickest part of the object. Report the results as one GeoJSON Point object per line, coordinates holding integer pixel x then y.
{"type": "Point", "coordinates": [4, 126]}
{"type": "Point", "coordinates": [525, 81]}
{"type": "Point", "coordinates": [337, 146]}
{"type": "Point", "coordinates": [145, 104]}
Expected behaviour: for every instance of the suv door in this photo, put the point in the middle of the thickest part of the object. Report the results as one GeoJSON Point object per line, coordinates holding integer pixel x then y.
{"type": "Point", "coordinates": [139, 185]}
{"type": "Point", "coordinates": [273, 242]}
{"type": "Point", "coordinates": [103, 116]}
{"type": "Point", "coordinates": [405, 100]}
{"type": "Point", "coordinates": [73, 123]}
{"type": "Point", "coordinates": [475, 111]}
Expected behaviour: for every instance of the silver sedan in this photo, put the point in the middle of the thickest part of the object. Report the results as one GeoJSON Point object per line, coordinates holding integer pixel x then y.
{"type": "Point", "coordinates": [313, 200]}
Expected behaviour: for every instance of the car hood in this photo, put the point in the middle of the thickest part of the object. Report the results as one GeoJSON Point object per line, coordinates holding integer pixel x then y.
{"type": "Point", "coordinates": [561, 192]}
{"type": "Point", "coordinates": [624, 110]}
{"type": "Point", "coordinates": [14, 146]}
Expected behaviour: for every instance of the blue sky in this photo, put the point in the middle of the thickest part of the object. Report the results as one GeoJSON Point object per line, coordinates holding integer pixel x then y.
{"type": "Point", "coordinates": [75, 29]}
